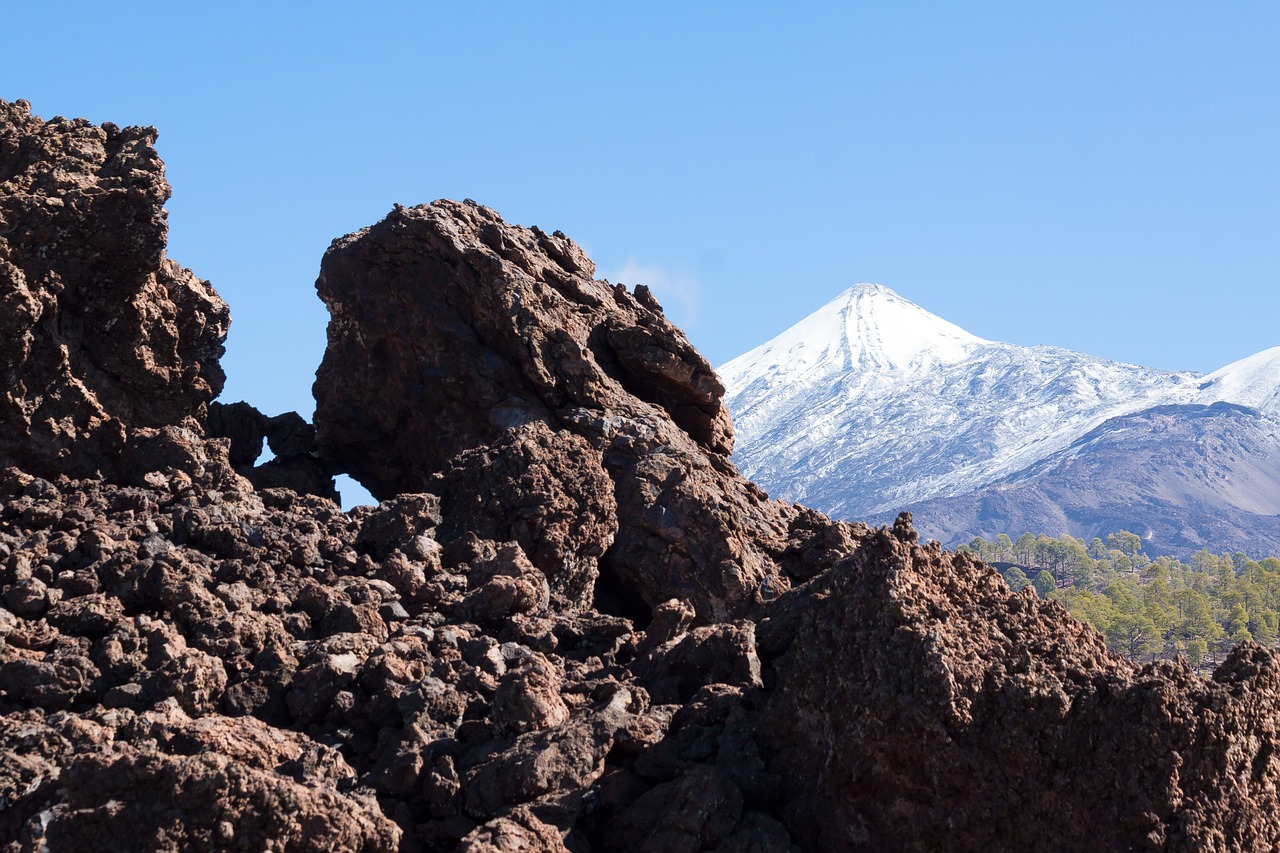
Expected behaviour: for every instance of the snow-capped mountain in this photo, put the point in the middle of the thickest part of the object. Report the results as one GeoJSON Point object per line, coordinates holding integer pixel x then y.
{"type": "Point", "coordinates": [873, 403]}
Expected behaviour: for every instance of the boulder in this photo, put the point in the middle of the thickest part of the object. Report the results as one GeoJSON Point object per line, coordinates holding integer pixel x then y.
{"type": "Point", "coordinates": [550, 379]}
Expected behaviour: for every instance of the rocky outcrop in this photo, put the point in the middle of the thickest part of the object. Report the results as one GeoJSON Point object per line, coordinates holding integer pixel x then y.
{"type": "Point", "coordinates": [168, 648]}
{"type": "Point", "coordinates": [918, 705]}
{"type": "Point", "coordinates": [296, 463]}
{"type": "Point", "coordinates": [229, 655]}
{"type": "Point", "coordinates": [446, 308]}
{"type": "Point", "coordinates": [569, 626]}
{"type": "Point", "coordinates": [103, 339]}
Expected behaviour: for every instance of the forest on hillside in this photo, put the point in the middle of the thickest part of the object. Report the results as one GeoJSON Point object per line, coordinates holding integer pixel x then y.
{"type": "Point", "coordinates": [1146, 607]}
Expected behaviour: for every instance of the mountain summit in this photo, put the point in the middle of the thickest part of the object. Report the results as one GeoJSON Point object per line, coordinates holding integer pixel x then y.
{"type": "Point", "coordinates": [872, 404]}
{"type": "Point", "coordinates": [866, 328]}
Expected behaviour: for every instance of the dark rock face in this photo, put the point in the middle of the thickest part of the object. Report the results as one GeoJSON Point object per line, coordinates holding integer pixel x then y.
{"type": "Point", "coordinates": [500, 324]}
{"type": "Point", "coordinates": [569, 626]}
{"type": "Point", "coordinates": [182, 666]}
{"type": "Point", "coordinates": [446, 308]}
{"type": "Point", "coordinates": [1033, 733]}
{"type": "Point", "coordinates": [546, 490]}
{"type": "Point", "coordinates": [101, 335]}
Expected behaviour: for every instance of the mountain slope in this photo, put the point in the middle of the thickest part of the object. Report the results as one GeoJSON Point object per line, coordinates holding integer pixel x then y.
{"type": "Point", "coordinates": [1183, 477]}
{"type": "Point", "coordinates": [872, 402]}
{"type": "Point", "coordinates": [1253, 381]}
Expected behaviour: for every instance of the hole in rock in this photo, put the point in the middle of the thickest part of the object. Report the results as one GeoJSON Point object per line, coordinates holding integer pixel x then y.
{"type": "Point", "coordinates": [352, 493]}
{"type": "Point", "coordinates": [618, 598]}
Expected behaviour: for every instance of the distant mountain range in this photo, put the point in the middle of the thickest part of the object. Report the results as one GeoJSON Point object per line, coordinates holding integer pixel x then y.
{"type": "Point", "coordinates": [872, 405]}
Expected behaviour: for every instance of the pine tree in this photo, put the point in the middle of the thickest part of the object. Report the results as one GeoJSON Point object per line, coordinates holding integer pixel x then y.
{"type": "Point", "coordinates": [1016, 579]}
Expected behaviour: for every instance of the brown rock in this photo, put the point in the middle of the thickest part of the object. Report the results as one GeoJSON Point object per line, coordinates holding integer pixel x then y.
{"type": "Point", "coordinates": [520, 831]}
{"type": "Point", "coordinates": [27, 597]}
{"type": "Point", "coordinates": [496, 356]}
{"type": "Point", "coordinates": [52, 682]}
{"type": "Point", "coordinates": [695, 812]}
{"type": "Point", "coordinates": [446, 307]}
{"type": "Point", "coordinates": [918, 694]}
{"type": "Point", "coordinates": [296, 465]}
{"type": "Point", "coordinates": [503, 583]}
{"type": "Point", "coordinates": [712, 654]}
{"type": "Point", "coordinates": [99, 332]}
{"type": "Point", "coordinates": [134, 800]}
{"type": "Point", "coordinates": [548, 491]}
{"type": "Point", "coordinates": [528, 697]}
{"type": "Point", "coordinates": [186, 663]}
{"type": "Point", "coordinates": [759, 833]}
{"type": "Point", "coordinates": [563, 760]}
{"type": "Point", "coordinates": [397, 523]}
{"type": "Point", "coordinates": [671, 621]}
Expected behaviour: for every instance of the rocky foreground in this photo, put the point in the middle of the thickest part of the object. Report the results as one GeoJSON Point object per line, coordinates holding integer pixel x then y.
{"type": "Point", "coordinates": [569, 625]}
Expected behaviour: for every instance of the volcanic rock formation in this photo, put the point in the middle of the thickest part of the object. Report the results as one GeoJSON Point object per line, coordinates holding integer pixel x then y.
{"type": "Point", "coordinates": [103, 340]}
{"type": "Point", "coordinates": [445, 308]}
{"type": "Point", "coordinates": [569, 626]}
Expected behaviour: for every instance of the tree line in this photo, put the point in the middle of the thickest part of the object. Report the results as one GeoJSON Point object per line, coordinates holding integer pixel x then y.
{"type": "Point", "coordinates": [1146, 607]}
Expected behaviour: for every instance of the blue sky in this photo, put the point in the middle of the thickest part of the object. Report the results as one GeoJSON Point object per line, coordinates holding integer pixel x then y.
{"type": "Point", "coordinates": [1100, 176]}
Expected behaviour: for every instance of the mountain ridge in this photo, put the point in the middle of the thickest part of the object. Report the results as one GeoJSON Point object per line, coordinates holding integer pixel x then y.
{"type": "Point", "coordinates": [870, 438]}
{"type": "Point", "coordinates": [1213, 482]}
{"type": "Point", "coordinates": [1252, 381]}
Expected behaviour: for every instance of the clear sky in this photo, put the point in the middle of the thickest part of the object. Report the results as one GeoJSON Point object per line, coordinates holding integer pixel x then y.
{"type": "Point", "coordinates": [1099, 176]}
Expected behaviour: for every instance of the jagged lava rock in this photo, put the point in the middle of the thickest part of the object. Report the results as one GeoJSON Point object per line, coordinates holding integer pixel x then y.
{"type": "Point", "coordinates": [549, 492]}
{"type": "Point", "coordinates": [187, 662]}
{"type": "Point", "coordinates": [101, 335]}
{"type": "Point", "coordinates": [881, 695]}
{"type": "Point", "coordinates": [446, 308]}
{"type": "Point", "coordinates": [296, 465]}
{"type": "Point", "coordinates": [496, 324]}
{"type": "Point", "coordinates": [920, 706]}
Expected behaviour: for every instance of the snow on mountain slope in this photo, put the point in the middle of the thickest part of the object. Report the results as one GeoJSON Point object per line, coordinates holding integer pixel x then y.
{"type": "Point", "coordinates": [1182, 477]}
{"type": "Point", "coordinates": [1253, 381]}
{"type": "Point", "coordinates": [872, 403]}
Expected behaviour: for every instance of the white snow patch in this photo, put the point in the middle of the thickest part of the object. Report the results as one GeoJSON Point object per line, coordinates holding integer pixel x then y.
{"type": "Point", "coordinates": [1253, 381]}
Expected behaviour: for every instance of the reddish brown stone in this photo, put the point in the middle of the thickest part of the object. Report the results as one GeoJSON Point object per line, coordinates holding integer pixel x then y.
{"type": "Point", "coordinates": [598, 636]}
{"type": "Point", "coordinates": [100, 333]}
{"type": "Point", "coordinates": [551, 381]}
